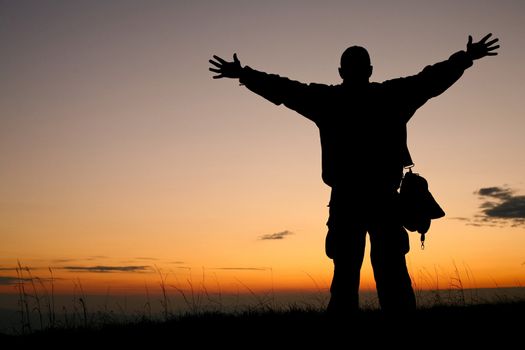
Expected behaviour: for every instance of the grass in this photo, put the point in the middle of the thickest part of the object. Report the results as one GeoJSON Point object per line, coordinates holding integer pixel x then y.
{"type": "Point", "coordinates": [450, 316]}
{"type": "Point", "coordinates": [474, 325]}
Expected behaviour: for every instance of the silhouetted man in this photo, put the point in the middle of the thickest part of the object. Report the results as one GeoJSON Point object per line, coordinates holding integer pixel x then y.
{"type": "Point", "coordinates": [362, 127]}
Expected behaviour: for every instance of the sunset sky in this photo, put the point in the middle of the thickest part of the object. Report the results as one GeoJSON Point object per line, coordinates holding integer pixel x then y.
{"type": "Point", "coordinates": [120, 156]}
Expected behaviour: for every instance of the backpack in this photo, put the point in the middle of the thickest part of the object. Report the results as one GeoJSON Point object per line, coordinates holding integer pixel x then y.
{"type": "Point", "coordinates": [418, 206]}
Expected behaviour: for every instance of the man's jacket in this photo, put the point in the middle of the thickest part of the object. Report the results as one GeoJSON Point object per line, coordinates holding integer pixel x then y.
{"type": "Point", "coordinates": [362, 128]}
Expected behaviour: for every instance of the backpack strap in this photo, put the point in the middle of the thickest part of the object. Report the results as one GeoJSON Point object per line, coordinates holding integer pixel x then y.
{"type": "Point", "coordinates": [406, 158]}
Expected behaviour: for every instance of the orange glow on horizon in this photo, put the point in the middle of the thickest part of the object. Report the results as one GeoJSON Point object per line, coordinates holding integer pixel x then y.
{"type": "Point", "coordinates": [231, 281]}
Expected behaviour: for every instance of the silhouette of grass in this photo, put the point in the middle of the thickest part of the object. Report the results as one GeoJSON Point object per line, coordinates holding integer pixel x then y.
{"type": "Point", "coordinates": [472, 325]}
{"type": "Point", "coordinates": [451, 312]}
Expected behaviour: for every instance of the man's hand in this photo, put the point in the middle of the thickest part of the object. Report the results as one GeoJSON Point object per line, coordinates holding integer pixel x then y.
{"type": "Point", "coordinates": [482, 48]}
{"type": "Point", "coordinates": [226, 69]}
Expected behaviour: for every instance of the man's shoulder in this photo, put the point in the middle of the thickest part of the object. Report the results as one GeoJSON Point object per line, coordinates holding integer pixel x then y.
{"type": "Point", "coordinates": [322, 86]}
{"type": "Point", "coordinates": [319, 90]}
{"type": "Point", "coordinates": [391, 84]}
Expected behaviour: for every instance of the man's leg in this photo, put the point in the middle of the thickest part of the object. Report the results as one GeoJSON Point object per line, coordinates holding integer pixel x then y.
{"type": "Point", "coordinates": [389, 244]}
{"type": "Point", "coordinates": [345, 244]}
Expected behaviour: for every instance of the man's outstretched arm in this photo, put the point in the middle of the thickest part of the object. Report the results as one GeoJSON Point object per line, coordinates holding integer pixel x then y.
{"type": "Point", "coordinates": [435, 79]}
{"type": "Point", "coordinates": [279, 90]}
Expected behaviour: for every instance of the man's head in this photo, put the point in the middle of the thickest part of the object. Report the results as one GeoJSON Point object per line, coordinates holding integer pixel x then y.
{"type": "Point", "coordinates": [355, 65]}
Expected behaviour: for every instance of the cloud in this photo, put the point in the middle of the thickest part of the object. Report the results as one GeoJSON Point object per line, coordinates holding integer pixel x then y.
{"type": "Point", "coordinates": [496, 192]}
{"type": "Point", "coordinates": [24, 268]}
{"type": "Point", "coordinates": [500, 207]}
{"type": "Point", "coordinates": [97, 257]}
{"type": "Point", "coordinates": [89, 258]}
{"type": "Point", "coordinates": [459, 218]}
{"type": "Point", "coordinates": [9, 280]}
{"type": "Point", "coordinates": [8, 268]}
{"type": "Point", "coordinates": [278, 235]}
{"type": "Point", "coordinates": [107, 268]}
{"type": "Point", "coordinates": [61, 261]}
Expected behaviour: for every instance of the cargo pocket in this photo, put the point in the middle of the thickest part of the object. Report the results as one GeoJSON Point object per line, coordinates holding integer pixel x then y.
{"type": "Point", "coordinates": [330, 244]}
{"type": "Point", "coordinates": [404, 241]}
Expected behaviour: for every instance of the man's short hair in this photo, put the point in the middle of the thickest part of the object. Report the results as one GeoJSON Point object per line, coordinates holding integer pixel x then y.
{"type": "Point", "coordinates": [355, 56]}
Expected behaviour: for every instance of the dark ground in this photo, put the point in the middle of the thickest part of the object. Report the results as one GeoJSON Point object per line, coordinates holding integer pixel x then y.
{"type": "Point", "coordinates": [487, 325]}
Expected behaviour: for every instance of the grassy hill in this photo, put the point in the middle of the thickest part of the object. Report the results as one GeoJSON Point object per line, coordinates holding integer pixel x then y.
{"type": "Point", "coordinates": [495, 324]}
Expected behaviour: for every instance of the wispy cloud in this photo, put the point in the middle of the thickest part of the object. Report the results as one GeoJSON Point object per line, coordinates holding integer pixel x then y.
{"type": "Point", "coordinates": [274, 236]}
{"type": "Point", "coordinates": [500, 207]}
{"type": "Point", "coordinates": [62, 261]}
{"type": "Point", "coordinates": [9, 280]}
{"type": "Point", "coordinates": [97, 257]}
{"type": "Point", "coordinates": [146, 258]}
{"type": "Point", "coordinates": [103, 269]}
{"type": "Point", "coordinates": [89, 258]}
{"type": "Point", "coordinates": [496, 192]}
{"type": "Point", "coordinates": [8, 268]}
{"type": "Point", "coordinates": [459, 218]}
{"type": "Point", "coordinates": [24, 268]}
